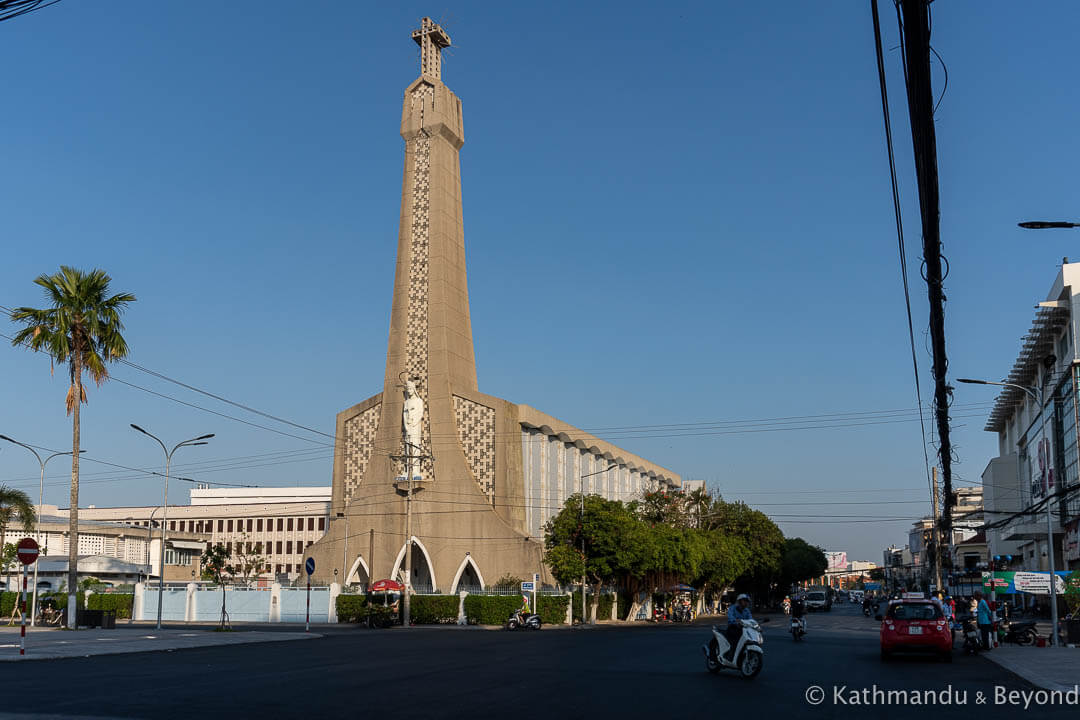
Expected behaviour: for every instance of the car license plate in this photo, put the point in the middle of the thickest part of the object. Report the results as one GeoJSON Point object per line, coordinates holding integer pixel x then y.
{"type": "Point", "coordinates": [914, 630]}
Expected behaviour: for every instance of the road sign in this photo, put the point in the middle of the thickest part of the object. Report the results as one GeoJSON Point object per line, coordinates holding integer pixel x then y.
{"type": "Point", "coordinates": [527, 587]}
{"type": "Point", "coordinates": [309, 565]}
{"type": "Point", "coordinates": [27, 550]}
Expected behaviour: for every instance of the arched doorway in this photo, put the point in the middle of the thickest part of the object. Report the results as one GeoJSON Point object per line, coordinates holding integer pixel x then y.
{"type": "Point", "coordinates": [468, 577]}
{"type": "Point", "coordinates": [358, 573]}
{"type": "Point", "coordinates": [423, 573]}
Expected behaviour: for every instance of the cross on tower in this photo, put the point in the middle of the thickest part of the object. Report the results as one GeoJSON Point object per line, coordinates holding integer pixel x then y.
{"type": "Point", "coordinates": [432, 39]}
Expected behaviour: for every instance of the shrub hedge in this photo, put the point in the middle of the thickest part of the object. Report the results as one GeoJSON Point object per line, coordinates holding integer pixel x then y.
{"type": "Point", "coordinates": [490, 609]}
{"type": "Point", "coordinates": [552, 609]}
{"type": "Point", "coordinates": [443, 609]}
{"type": "Point", "coordinates": [434, 609]}
{"type": "Point", "coordinates": [625, 600]}
{"type": "Point", "coordinates": [120, 603]}
{"type": "Point", "coordinates": [351, 608]}
{"type": "Point", "coordinates": [8, 600]}
{"type": "Point", "coordinates": [603, 610]}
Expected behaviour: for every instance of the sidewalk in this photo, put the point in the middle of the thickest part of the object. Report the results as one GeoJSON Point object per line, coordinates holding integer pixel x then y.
{"type": "Point", "coordinates": [1047, 668]}
{"type": "Point", "coordinates": [53, 643]}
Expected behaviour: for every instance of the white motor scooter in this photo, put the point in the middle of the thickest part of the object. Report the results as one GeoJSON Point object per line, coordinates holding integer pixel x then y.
{"type": "Point", "coordinates": [748, 658]}
{"type": "Point", "coordinates": [798, 628]}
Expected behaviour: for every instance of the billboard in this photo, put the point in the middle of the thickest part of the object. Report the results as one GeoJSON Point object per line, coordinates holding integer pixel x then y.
{"type": "Point", "coordinates": [837, 561]}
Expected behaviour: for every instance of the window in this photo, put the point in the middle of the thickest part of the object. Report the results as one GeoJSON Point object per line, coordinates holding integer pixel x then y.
{"type": "Point", "coordinates": [914, 611]}
{"type": "Point", "coordinates": [230, 526]}
{"type": "Point", "coordinates": [220, 526]}
{"type": "Point", "coordinates": [311, 526]}
{"type": "Point", "coordinates": [258, 525]}
{"type": "Point", "coordinates": [249, 530]}
{"type": "Point", "coordinates": [288, 551]}
{"type": "Point", "coordinates": [228, 549]}
{"type": "Point", "coordinates": [322, 524]}
{"type": "Point", "coordinates": [300, 524]}
{"type": "Point", "coordinates": [289, 526]}
{"type": "Point", "coordinates": [277, 568]}
{"type": "Point", "coordinates": [278, 549]}
{"type": "Point", "coordinates": [288, 569]}
{"type": "Point", "coordinates": [280, 524]}
{"type": "Point", "coordinates": [182, 530]}
{"type": "Point", "coordinates": [172, 526]}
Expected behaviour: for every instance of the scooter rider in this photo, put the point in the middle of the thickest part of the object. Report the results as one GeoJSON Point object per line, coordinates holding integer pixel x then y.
{"type": "Point", "coordinates": [739, 611]}
{"type": "Point", "coordinates": [798, 609]}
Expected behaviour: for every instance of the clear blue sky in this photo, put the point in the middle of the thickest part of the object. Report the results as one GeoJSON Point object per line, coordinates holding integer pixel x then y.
{"type": "Point", "coordinates": [676, 215]}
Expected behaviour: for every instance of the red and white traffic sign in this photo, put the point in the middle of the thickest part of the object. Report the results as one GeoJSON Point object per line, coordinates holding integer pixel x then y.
{"type": "Point", "coordinates": [27, 550]}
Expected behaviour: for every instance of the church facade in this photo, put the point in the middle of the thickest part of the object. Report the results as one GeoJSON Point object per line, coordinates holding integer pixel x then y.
{"type": "Point", "coordinates": [487, 473]}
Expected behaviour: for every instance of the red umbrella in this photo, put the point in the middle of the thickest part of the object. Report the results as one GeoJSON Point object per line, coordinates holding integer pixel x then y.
{"type": "Point", "coordinates": [386, 586]}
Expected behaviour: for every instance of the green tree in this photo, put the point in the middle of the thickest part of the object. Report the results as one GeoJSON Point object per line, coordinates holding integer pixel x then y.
{"type": "Point", "coordinates": [761, 534]}
{"type": "Point", "coordinates": [801, 561]}
{"type": "Point", "coordinates": [214, 566]}
{"type": "Point", "coordinates": [80, 327]}
{"type": "Point", "coordinates": [14, 505]}
{"type": "Point", "coordinates": [611, 541]}
{"type": "Point", "coordinates": [248, 560]}
{"type": "Point", "coordinates": [508, 581]}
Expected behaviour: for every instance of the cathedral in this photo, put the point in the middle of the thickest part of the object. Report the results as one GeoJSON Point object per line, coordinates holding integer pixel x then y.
{"type": "Point", "coordinates": [432, 466]}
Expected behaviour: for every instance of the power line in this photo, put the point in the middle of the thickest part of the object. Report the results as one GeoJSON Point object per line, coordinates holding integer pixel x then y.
{"type": "Point", "coordinates": [900, 234]}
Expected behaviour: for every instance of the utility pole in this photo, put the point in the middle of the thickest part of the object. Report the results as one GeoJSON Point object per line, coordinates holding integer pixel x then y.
{"type": "Point", "coordinates": [937, 533]}
{"type": "Point", "coordinates": [406, 605]}
{"type": "Point", "coordinates": [371, 556]}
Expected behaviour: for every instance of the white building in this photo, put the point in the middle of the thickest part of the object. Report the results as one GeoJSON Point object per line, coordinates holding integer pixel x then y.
{"type": "Point", "coordinates": [278, 523]}
{"type": "Point", "coordinates": [1033, 464]}
{"type": "Point", "coordinates": [121, 540]}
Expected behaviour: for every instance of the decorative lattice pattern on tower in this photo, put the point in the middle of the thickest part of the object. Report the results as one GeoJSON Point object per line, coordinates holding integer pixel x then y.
{"type": "Point", "coordinates": [476, 431]}
{"type": "Point", "coordinates": [417, 329]}
{"type": "Point", "coordinates": [358, 442]}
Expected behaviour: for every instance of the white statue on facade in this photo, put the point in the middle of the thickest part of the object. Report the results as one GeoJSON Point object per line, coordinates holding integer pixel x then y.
{"type": "Point", "coordinates": [412, 419]}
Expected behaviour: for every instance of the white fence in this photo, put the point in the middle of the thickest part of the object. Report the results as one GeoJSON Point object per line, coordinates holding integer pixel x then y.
{"type": "Point", "coordinates": [195, 603]}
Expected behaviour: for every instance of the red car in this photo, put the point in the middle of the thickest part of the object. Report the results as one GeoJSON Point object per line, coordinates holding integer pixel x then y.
{"type": "Point", "coordinates": [915, 626]}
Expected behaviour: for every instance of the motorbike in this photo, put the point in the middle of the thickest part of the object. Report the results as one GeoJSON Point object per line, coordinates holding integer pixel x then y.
{"type": "Point", "coordinates": [520, 619]}
{"type": "Point", "coordinates": [748, 658]}
{"type": "Point", "coordinates": [1020, 633]}
{"type": "Point", "coordinates": [972, 641]}
{"type": "Point", "coordinates": [683, 613]}
{"type": "Point", "coordinates": [798, 628]}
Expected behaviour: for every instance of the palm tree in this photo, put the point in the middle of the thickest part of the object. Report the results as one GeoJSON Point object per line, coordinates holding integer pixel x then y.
{"type": "Point", "coordinates": [14, 504]}
{"type": "Point", "coordinates": [82, 328]}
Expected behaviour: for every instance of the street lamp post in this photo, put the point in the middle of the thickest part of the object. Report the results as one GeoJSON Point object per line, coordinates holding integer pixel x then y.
{"type": "Point", "coordinates": [37, 520]}
{"type": "Point", "coordinates": [1036, 394]}
{"type": "Point", "coordinates": [581, 488]}
{"type": "Point", "coordinates": [149, 539]}
{"type": "Point", "coordinates": [165, 505]}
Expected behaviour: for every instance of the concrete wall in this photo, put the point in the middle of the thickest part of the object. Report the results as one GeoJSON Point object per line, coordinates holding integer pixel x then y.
{"type": "Point", "coordinates": [194, 603]}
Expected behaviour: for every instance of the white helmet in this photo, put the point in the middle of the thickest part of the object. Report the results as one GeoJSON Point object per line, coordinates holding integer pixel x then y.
{"type": "Point", "coordinates": [743, 596]}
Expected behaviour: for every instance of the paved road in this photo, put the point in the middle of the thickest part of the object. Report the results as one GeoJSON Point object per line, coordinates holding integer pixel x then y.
{"type": "Point", "coordinates": [651, 671]}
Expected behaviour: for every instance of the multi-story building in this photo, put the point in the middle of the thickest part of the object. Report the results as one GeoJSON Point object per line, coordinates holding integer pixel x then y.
{"type": "Point", "coordinates": [121, 540]}
{"type": "Point", "coordinates": [899, 567]}
{"type": "Point", "coordinates": [278, 524]}
{"type": "Point", "coordinates": [1038, 446]}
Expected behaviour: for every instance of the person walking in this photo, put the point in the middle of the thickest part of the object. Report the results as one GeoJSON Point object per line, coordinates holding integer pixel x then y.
{"type": "Point", "coordinates": [983, 619]}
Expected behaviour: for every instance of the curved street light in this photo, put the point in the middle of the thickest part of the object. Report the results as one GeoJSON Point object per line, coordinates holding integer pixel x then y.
{"type": "Point", "coordinates": [37, 519]}
{"type": "Point", "coordinates": [165, 505]}
{"type": "Point", "coordinates": [1046, 224]}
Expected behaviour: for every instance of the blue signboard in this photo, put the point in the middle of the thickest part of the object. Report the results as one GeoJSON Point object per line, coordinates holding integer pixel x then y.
{"type": "Point", "coordinates": [310, 565]}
